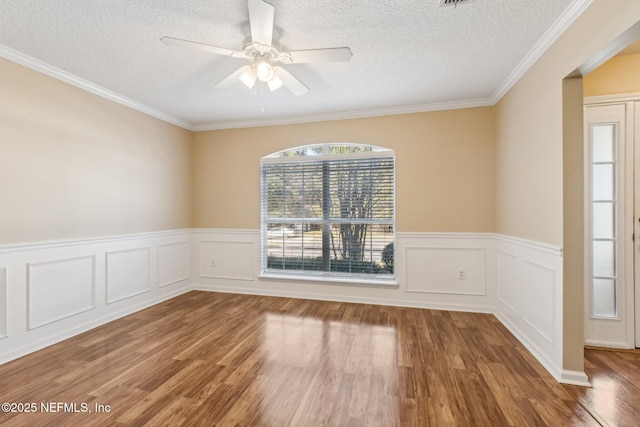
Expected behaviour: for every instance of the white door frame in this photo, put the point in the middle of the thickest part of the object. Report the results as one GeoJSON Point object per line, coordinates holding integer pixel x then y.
{"type": "Point", "coordinates": [636, 219]}
{"type": "Point", "coordinates": [619, 332]}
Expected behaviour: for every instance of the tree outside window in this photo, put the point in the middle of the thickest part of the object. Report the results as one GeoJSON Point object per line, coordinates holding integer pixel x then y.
{"type": "Point", "coordinates": [329, 210]}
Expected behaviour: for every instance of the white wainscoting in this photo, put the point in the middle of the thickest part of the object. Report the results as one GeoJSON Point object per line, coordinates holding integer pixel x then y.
{"type": "Point", "coordinates": [91, 282]}
{"type": "Point", "coordinates": [540, 288]}
{"type": "Point", "coordinates": [45, 279]}
{"type": "Point", "coordinates": [53, 290]}
{"type": "Point", "coordinates": [3, 303]}
{"type": "Point", "coordinates": [127, 273]}
{"type": "Point", "coordinates": [227, 258]}
{"type": "Point", "coordinates": [173, 263]}
{"type": "Point", "coordinates": [427, 267]}
{"type": "Point", "coordinates": [459, 271]}
{"type": "Point", "coordinates": [529, 303]}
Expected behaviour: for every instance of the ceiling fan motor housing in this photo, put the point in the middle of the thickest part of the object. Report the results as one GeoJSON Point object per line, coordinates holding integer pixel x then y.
{"type": "Point", "coordinates": [263, 53]}
{"type": "Point", "coordinates": [255, 51]}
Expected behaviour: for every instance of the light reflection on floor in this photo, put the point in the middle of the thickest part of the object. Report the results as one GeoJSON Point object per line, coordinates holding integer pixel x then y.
{"type": "Point", "coordinates": [325, 361]}
{"type": "Point", "coordinates": [604, 395]}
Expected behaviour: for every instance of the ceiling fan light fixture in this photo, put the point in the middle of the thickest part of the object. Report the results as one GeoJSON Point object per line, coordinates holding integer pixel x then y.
{"type": "Point", "coordinates": [275, 83]}
{"type": "Point", "coordinates": [263, 53]}
{"type": "Point", "coordinates": [249, 77]}
{"type": "Point", "coordinates": [264, 71]}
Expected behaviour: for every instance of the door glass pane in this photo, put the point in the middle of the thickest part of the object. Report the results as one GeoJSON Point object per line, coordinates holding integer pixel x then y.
{"type": "Point", "coordinates": [603, 188]}
{"type": "Point", "coordinates": [603, 143]}
{"type": "Point", "coordinates": [604, 210]}
{"type": "Point", "coordinates": [603, 220]}
{"type": "Point", "coordinates": [603, 259]}
{"type": "Point", "coordinates": [604, 298]}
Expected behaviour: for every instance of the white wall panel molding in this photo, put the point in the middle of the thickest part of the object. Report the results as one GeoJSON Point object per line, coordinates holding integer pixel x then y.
{"type": "Point", "coordinates": [173, 263]}
{"type": "Point", "coordinates": [127, 273]}
{"type": "Point", "coordinates": [3, 303]}
{"type": "Point", "coordinates": [59, 289]}
{"type": "Point", "coordinates": [227, 233]}
{"type": "Point", "coordinates": [509, 290]}
{"type": "Point", "coordinates": [529, 303]}
{"type": "Point", "coordinates": [447, 236]}
{"type": "Point", "coordinates": [445, 270]}
{"type": "Point", "coordinates": [236, 255]}
{"type": "Point", "coordinates": [539, 290]}
{"type": "Point", "coordinates": [12, 248]}
{"type": "Point", "coordinates": [530, 244]}
{"type": "Point", "coordinates": [227, 259]}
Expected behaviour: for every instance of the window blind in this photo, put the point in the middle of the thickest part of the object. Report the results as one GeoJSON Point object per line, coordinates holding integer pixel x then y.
{"type": "Point", "coordinates": [331, 216]}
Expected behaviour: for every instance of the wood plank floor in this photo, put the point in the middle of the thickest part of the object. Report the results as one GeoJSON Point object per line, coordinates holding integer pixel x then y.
{"type": "Point", "coordinates": [221, 359]}
{"type": "Point", "coordinates": [614, 399]}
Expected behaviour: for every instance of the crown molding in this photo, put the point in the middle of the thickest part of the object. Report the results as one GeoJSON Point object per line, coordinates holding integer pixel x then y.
{"type": "Point", "coordinates": [44, 68]}
{"type": "Point", "coordinates": [51, 71]}
{"type": "Point", "coordinates": [346, 115]}
{"type": "Point", "coordinates": [561, 24]}
{"type": "Point", "coordinates": [574, 10]}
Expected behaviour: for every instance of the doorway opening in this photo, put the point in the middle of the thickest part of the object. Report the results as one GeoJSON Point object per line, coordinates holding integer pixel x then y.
{"type": "Point", "coordinates": [612, 198]}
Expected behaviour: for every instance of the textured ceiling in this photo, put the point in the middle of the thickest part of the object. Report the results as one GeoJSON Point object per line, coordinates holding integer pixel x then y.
{"type": "Point", "coordinates": [408, 55]}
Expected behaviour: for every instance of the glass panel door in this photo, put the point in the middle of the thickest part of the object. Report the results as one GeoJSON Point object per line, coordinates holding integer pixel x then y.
{"type": "Point", "coordinates": [604, 291]}
{"type": "Point", "coordinates": [609, 248]}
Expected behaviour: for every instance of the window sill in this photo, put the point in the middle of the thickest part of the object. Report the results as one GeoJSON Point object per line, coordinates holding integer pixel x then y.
{"type": "Point", "coordinates": [329, 279]}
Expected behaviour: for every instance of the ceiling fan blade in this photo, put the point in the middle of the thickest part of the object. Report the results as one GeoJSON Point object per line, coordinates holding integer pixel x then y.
{"type": "Point", "coordinates": [336, 54]}
{"type": "Point", "coordinates": [261, 21]}
{"type": "Point", "coordinates": [171, 41]}
{"type": "Point", "coordinates": [290, 82]}
{"type": "Point", "coordinates": [232, 78]}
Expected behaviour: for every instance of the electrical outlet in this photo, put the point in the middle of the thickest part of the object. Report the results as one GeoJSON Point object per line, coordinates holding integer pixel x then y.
{"type": "Point", "coordinates": [462, 274]}
{"type": "Point", "coordinates": [213, 262]}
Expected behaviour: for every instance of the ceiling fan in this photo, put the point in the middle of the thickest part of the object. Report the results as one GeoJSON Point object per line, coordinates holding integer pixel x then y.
{"type": "Point", "coordinates": [264, 54]}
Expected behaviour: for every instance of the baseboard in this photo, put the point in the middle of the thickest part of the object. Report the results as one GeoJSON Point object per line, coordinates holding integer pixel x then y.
{"type": "Point", "coordinates": [545, 361]}
{"type": "Point", "coordinates": [608, 344]}
{"type": "Point", "coordinates": [342, 298]}
{"type": "Point", "coordinates": [61, 336]}
{"type": "Point", "coordinates": [574, 378]}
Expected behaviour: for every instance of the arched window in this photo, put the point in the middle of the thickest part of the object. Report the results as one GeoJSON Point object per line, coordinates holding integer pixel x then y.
{"type": "Point", "coordinates": [328, 210]}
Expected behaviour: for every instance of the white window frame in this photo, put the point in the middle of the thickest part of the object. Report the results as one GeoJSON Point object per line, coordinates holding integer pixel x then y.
{"type": "Point", "coordinates": [316, 153]}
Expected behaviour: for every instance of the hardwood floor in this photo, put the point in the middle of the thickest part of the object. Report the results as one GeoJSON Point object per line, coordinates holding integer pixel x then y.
{"type": "Point", "coordinates": [615, 397]}
{"type": "Point", "coordinates": [222, 359]}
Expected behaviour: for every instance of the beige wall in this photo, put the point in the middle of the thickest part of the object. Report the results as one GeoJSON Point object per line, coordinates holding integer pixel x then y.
{"type": "Point", "coordinates": [573, 260]}
{"type": "Point", "coordinates": [444, 162]}
{"type": "Point", "coordinates": [529, 149]}
{"type": "Point", "coordinates": [75, 165]}
{"type": "Point", "coordinates": [529, 125]}
{"type": "Point", "coordinates": [621, 74]}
